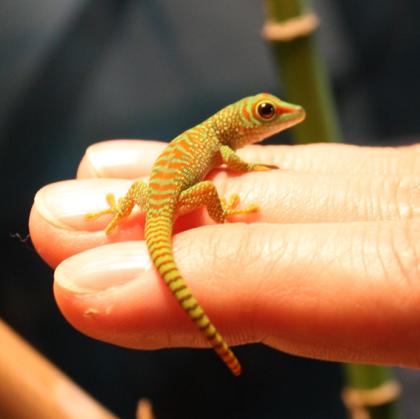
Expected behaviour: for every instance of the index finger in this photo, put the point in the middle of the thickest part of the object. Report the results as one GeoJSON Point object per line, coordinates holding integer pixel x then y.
{"type": "Point", "coordinates": [130, 159]}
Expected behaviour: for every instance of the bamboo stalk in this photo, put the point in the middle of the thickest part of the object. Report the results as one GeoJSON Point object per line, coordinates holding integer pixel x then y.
{"type": "Point", "coordinates": [31, 387]}
{"type": "Point", "coordinates": [370, 392]}
{"type": "Point", "coordinates": [302, 73]}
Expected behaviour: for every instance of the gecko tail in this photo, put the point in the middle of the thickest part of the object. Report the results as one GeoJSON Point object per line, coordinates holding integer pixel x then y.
{"type": "Point", "coordinates": [158, 233]}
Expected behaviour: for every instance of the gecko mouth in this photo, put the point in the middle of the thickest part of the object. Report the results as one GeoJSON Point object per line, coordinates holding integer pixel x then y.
{"type": "Point", "coordinates": [293, 116]}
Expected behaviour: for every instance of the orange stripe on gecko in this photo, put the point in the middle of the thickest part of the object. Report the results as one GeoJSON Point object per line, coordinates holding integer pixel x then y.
{"type": "Point", "coordinates": [183, 143]}
{"type": "Point", "coordinates": [158, 231]}
{"type": "Point", "coordinates": [177, 165]}
{"type": "Point", "coordinates": [155, 206]}
{"type": "Point", "coordinates": [245, 112]}
{"type": "Point", "coordinates": [160, 187]}
{"type": "Point", "coordinates": [163, 175]}
{"type": "Point", "coordinates": [159, 196]}
{"type": "Point", "coordinates": [254, 110]}
{"type": "Point", "coordinates": [178, 153]}
{"type": "Point", "coordinates": [160, 247]}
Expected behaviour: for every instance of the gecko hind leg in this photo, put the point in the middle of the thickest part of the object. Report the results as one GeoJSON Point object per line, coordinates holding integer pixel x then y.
{"type": "Point", "coordinates": [219, 209]}
{"type": "Point", "coordinates": [136, 195]}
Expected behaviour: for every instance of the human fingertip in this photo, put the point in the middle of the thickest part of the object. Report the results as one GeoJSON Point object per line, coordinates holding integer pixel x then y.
{"type": "Point", "coordinates": [65, 204]}
{"type": "Point", "coordinates": [104, 268]}
{"type": "Point", "coordinates": [126, 159]}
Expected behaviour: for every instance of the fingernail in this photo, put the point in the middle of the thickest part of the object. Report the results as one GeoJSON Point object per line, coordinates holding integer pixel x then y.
{"type": "Point", "coordinates": [104, 268]}
{"type": "Point", "coordinates": [65, 204]}
{"type": "Point", "coordinates": [111, 158]}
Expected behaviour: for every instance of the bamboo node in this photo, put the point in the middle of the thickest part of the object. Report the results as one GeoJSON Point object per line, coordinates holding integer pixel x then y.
{"type": "Point", "coordinates": [358, 400]}
{"type": "Point", "coordinates": [290, 29]}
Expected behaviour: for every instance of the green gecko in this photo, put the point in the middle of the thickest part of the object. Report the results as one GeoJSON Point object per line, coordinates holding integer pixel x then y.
{"type": "Point", "coordinates": [177, 186]}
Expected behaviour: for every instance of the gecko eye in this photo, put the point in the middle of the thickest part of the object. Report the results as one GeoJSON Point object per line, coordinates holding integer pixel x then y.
{"type": "Point", "coordinates": [266, 110]}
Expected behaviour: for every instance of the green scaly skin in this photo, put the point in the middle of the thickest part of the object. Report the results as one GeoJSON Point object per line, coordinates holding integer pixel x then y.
{"type": "Point", "coordinates": [177, 186]}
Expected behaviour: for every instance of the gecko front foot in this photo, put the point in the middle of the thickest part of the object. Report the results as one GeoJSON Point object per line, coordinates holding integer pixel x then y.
{"type": "Point", "coordinates": [259, 167]}
{"type": "Point", "coordinates": [230, 206]}
{"type": "Point", "coordinates": [118, 209]}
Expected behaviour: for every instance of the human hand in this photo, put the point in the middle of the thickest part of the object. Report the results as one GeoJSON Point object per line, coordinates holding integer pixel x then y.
{"type": "Point", "coordinates": [331, 269]}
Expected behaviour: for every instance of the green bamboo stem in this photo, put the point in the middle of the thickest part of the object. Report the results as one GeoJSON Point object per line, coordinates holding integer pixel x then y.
{"type": "Point", "coordinates": [302, 72]}
{"type": "Point", "coordinates": [369, 377]}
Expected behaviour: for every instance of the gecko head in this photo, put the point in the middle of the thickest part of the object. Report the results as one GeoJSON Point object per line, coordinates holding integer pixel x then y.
{"type": "Point", "coordinates": [264, 115]}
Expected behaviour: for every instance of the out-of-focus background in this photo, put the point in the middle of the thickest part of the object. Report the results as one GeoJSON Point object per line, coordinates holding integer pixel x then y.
{"type": "Point", "coordinates": [75, 72]}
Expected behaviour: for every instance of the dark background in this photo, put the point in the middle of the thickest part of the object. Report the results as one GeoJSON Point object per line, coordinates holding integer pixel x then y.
{"type": "Point", "coordinates": [75, 72]}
